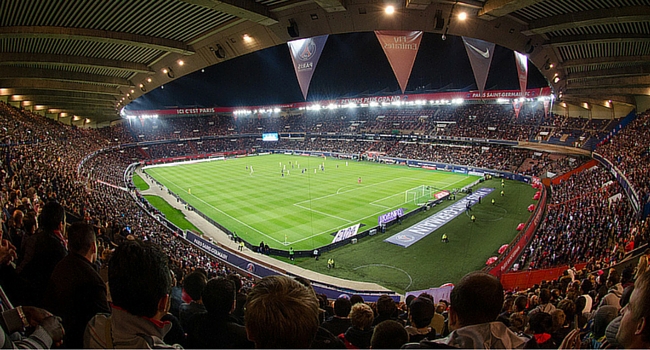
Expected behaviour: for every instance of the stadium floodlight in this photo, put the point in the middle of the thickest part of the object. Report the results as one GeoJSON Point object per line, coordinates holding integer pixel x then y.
{"type": "Point", "coordinates": [457, 101]}
{"type": "Point", "coordinates": [374, 104]}
{"type": "Point", "coordinates": [503, 100]}
{"type": "Point", "coordinates": [332, 106]}
{"type": "Point", "coordinates": [276, 110]}
{"type": "Point", "coordinates": [351, 105]}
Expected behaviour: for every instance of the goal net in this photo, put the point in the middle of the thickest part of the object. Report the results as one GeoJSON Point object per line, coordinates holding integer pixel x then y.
{"type": "Point", "coordinates": [418, 195]}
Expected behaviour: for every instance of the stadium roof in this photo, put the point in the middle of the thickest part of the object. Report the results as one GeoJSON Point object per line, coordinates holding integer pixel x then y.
{"type": "Point", "coordinates": [88, 58]}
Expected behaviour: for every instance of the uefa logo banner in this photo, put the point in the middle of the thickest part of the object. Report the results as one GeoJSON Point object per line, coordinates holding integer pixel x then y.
{"type": "Point", "coordinates": [305, 54]}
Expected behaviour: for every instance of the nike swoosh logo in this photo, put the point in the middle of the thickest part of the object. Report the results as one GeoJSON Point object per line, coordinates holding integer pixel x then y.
{"type": "Point", "coordinates": [485, 54]}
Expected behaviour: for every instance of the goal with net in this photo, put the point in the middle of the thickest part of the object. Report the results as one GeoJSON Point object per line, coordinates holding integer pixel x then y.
{"type": "Point", "coordinates": [418, 195]}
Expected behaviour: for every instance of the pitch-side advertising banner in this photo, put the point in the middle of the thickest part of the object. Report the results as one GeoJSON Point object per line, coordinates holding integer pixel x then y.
{"type": "Point", "coordinates": [480, 56]}
{"type": "Point", "coordinates": [400, 48]}
{"type": "Point", "coordinates": [346, 233]}
{"type": "Point", "coordinates": [423, 228]}
{"type": "Point", "coordinates": [305, 54]}
{"type": "Point", "coordinates": [521, 61]}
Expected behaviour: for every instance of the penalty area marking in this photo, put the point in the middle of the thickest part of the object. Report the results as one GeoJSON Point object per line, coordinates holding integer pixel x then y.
{"type": "Point", "coordinates": [390, 267]}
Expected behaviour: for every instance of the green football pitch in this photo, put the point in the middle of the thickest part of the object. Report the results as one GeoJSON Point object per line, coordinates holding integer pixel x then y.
{"type": "Point", "coordinates": [307, 206]}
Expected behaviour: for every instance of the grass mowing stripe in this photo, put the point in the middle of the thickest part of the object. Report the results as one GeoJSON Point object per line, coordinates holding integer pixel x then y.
{"type": "Point", "coordinates": [430, 262]}
{"type": "Point", "coordinates": [264, 202]}
{"type": "Point", "coordinates": [172, 214]}
{"type": "Point", "coordinates": [305, 206]}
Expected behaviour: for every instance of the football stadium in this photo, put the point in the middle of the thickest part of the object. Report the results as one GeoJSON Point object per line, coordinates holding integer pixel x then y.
{"type": "Point", "coordinates": [325, 174]}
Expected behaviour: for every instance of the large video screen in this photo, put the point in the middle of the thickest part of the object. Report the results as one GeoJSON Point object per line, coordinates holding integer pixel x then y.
{"type": "Point", "coordinates": [270, 136]}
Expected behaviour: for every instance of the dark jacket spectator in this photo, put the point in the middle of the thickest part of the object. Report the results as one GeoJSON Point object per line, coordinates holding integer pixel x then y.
{"type": "Point", "coordinates": [76, 292]}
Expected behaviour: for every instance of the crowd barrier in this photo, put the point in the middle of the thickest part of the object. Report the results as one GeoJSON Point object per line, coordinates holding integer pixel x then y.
{"type": "Point", "coordinates": [527, 279]}
{"type": "Point", "coordinates": [519, 243]}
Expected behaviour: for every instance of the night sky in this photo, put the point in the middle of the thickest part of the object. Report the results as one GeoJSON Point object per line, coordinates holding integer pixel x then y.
{"type": "Point", "coordinates": [351, 65]}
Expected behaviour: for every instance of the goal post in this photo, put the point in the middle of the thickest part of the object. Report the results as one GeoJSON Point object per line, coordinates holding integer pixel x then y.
{"type": "Point", "coordinates": [418, 195]}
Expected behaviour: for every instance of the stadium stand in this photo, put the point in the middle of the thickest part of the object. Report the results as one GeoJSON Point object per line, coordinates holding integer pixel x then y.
{"type": "Point", "coordinates": [85, 171]}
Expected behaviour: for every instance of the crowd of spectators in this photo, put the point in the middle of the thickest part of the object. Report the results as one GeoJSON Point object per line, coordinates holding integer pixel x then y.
{"type": "Point", "coordinates": [482, 121]}
{"type": "Point", "coordinates": [629, 151]}
{"type": "Point", "coordinates": [45, 161]}
{"type": "Point", "coordinates": [588, 219]}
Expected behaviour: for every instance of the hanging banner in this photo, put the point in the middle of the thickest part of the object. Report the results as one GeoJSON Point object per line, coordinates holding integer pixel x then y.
{"type": "Point", "coordinates": [400, 48]}
{"type": "Point", "coordinates": [547, 104]}
{"type": "Point", "coordinates": [305, 54]}
{"type": "Point", "coordinates": [516, 104]}
{"type": "Point", "coordinates": [521, 61]}
{"type": "Point", "coordinates": [480, 56]}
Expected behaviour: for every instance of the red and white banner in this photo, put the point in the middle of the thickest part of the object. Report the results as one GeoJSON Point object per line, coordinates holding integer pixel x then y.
{"type": "Point", "coordinates": [547, 104]}
{"type": "Point", "coordinates": [516, 104]}
{"type": "Point", "coordinates": [480, 55]}
{"type": "Point", "coordinates": [305, 54]}
{"type": "Point", "coordinates": [439, 96]}
{"type": "Point", "coordinates": [521, 61]}
{"type": "Point", "coordinates": [401, 48]}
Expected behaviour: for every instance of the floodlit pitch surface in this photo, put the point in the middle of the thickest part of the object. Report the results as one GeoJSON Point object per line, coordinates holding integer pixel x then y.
{"type": "Point", "coordinates": [302, 209]}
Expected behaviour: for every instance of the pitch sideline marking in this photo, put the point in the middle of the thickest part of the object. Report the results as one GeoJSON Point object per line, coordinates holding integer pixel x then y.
{"type": "Point", "coordinates": [224, 213]}
{"type": "Point", "coordinates": [313, 235]}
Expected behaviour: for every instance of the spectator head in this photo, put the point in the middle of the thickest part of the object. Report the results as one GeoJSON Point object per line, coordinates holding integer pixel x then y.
{"type": "Point", "coordinates": [422, 311]}
{"type": "Point", "coordinates": [521, 303]}
{"type": "Point", "coordinates": [236, 280]}
{"type": "Point", "coordinates": [356, 298]}
{"type": "Point", "coordinates": [281, 313]}
{"type": "Point", "coordinates": [544, 296]}
{"type": "Point", "coordinates": [517, 322]}
{"type": "Point", "coordinates": [409, 300]}
{"type": "Point", "coordinates": [604, 315]}
{"type": "Point", "coordinates": [342, 307]}
{"type": "Point", "coordinates": [361, 316]}
{"type": "Point", "coordinates": [613, 278]}
{"type": "Point", "coordinates": [29, 225]}
{"type": "Point", "coordinates": [568, 306]}
{"type": "Point", "coordinates": [625, 296]}
{"type": "Point", "coordinates": [52, 217]}
{"type": "Point", "coordinates": [305, 282]}
{"type": "Point", "coordinates": [388, 334]}
{"type": "Point", "coordinates": [82, 240]}
{"type": "Point", "coordinates": [386, 306]}
{"type": "Point", "coordinates": [139, 279]}
{"type": "Point", "coordinates": [634, 331]}
{"type": "Point", "coordinates": [17, 217]}
{"type": "Point", "coordinates": [442, 306]}
{"type": "Point", "coordinates": [541, 322]}
{"type": "Point", "coordinates": [559, 319]}
{"type": "Point", "coordinates": [476, 299]}
{"type": "Point", "coordinates": [194, 283]}
{"type": "Point", "coordinates": [219, 296]}
{"type": "Point", "coordinates": [587, 286]}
